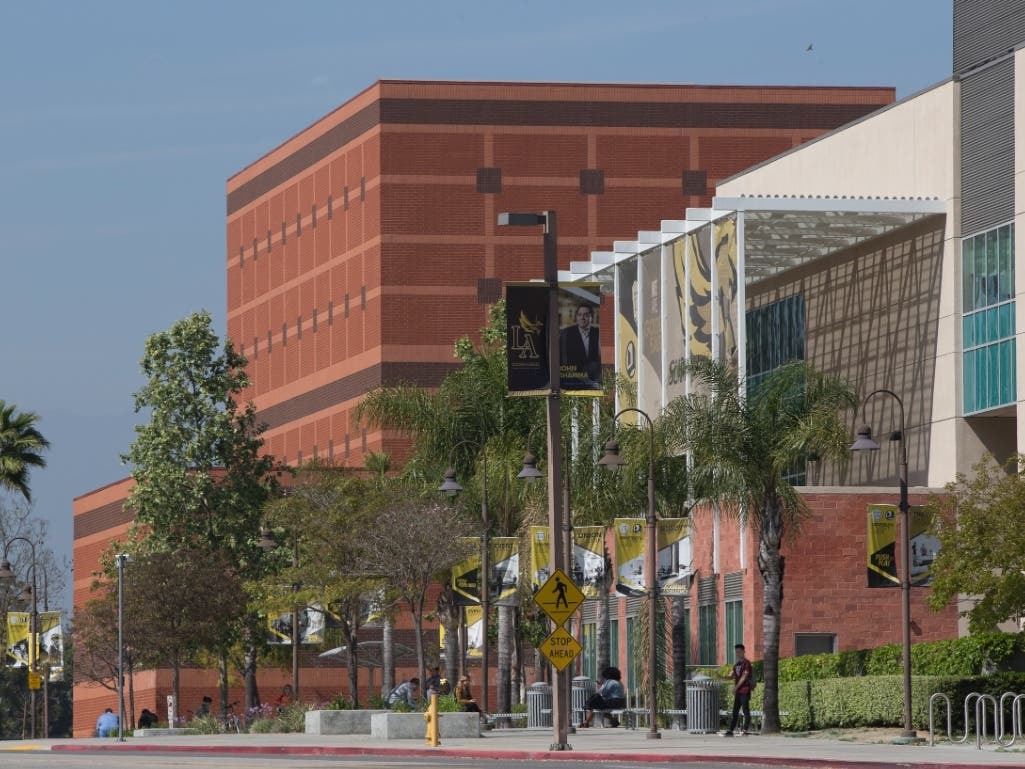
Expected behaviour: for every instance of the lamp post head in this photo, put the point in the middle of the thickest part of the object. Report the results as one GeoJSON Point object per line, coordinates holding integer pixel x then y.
{"type": "Point", "coordinates": [529, 472]}
{"type": "Point", "coordinates": [611, 458]}
{"type": "Point", "coordinates": [864, 440]}
{"type": "Point", "coordinates": [6, 574]}
{"type": "Point", "coordinates": [450, 486]}
{"type": "Point", "coordinates": [267, 541]}
{"type": "Point", "coordinates": [26, 594]}
{"type": "Point", "coordinates": [512, 219]}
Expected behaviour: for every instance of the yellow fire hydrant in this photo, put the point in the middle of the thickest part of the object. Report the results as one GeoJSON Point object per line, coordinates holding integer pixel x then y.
{"type": "Point", "coordinates": [431, 717]}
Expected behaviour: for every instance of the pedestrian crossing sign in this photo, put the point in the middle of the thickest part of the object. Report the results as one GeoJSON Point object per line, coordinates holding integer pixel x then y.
{"type": "Point", "coordinates": [559, 598]}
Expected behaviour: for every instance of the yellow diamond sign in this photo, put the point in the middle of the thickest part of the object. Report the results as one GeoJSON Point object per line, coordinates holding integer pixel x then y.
{"type": "Point", "coordinates": [560, 648]}
{"type": "Point", "coordinates": [559, 597]}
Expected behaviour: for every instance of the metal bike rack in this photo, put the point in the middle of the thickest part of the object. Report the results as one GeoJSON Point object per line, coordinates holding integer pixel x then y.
{"type": "Point", "coordinates": [950, 726]}
{"type": "Point", "coordinates": [980, 719]}
{"type": "Point", "coordinates": [969, 698]}
{"type": "Point", "coordinates": [1016, 718]}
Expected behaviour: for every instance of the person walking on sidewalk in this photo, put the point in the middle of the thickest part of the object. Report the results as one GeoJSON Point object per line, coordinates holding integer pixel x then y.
{"type": "Point", "coordinates": [741, 677]}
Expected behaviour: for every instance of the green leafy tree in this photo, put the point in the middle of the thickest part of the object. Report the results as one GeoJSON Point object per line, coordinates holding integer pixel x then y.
{"type": "Point", "coordinates": [742, 445]}
{"type": "Point", "coordinates": [21, 448]}
{"type": "Point", "coordinates": [321, 520]}
{"type": "Point", "coordinates": [411, 542]}
{"type": "Point", "coordinates": [201, 480]}
{"type": "Point", "coordinates": [979, 522]}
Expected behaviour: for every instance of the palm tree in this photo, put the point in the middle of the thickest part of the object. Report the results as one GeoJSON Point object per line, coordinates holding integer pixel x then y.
{"type": "Point", "coordinates": [21, 448]}
{"type": "Point", "coordinates": [742, 445]}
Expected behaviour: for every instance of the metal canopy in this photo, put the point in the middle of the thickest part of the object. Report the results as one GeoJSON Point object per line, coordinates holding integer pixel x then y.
{"type": "Point", "coordinates": [781, 233]}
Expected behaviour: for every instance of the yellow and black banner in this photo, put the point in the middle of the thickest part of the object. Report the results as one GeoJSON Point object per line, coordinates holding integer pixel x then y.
{"type": "Point", "coordinates": [18, 646]}
{"type": "Point", "coordinates": [676, 323]}
{"type": "Point", "coordinates": [725, 235]}
{"type": "Point", "coordinates": [588, 567]}
{"type": "Point", "coordinates": [629, 556]}
{"type": "Point", "coordinates": [674, 555]}
{"type": "Point", "coordinates": [313, 619]}
{"type": "Point", "coordinates": [699, 289]}
{"type": "Point", "coordinates": [540, 562]}
{"type": "Point", "coordinates": [503, 576]}
{"type": "Point", "coordinates": [626, 326]}
{"type": "Point", "coordinates": [882, 553]}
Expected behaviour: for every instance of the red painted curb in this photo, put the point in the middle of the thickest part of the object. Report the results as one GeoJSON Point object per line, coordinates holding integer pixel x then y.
{"type": "Point", "coordinates": [526, 755]}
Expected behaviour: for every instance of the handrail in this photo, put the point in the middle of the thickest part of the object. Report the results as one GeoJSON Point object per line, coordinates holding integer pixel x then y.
{"type": "Point", "coordinates": [980, 719]}
{"type": "Point", "coordinates": [950, 726]}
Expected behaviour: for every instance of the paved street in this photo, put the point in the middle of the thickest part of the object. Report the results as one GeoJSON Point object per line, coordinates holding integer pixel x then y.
{"type": "Point", "coordinates": [513, 747]}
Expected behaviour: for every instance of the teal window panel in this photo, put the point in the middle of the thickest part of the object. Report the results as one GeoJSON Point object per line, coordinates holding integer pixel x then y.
{"type": "Point", "coordinates": [968, 366]}
{"type": "Point", "coordinates": [980, 328]}
{"type": "Point", "coordinates": [1005, 324]}
{"type": "Point", "coordinates": [707, 647]}
{"type": "Point", "coordinates": [967, 275]}
{"type": "Point", "coordinates": [992, 324]}
{"type": "Point", "coordinates": [992, 266]}
{"type": "Point", "coordinates": [588, 635]}
{"type": "Point", "coordinates": [980, 272]}
{"type": "Point", "coordinates": [968, 331]}
{"type": "Point", "coordinates": [1008, 389]}
{"type": "Point", "coordinates": [1005, 267]}
{"type": "Point", "coordinates": [980, 379]}
{"type": "Point", "coordinates": [993, 375]}
{"type": "Point", "coordinates": [614, 643]}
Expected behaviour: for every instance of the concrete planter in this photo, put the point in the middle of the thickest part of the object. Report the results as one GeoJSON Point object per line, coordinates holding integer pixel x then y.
{"type": "Point", "coordinates": [177, 731]}
{"type": "Point", "coordinates": [408, 726]}
{"type": "Point", "coordinates": [339, 721]}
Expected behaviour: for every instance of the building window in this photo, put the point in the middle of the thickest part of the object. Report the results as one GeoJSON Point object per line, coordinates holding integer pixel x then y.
{"type": "Point", "coordinates": [345, 197]}
{"type": "Point", "coordinates": [254, 249]}
{"type": "Point", "coordinates": [330, 207]}
{"type": "Point", "coordinates": [363, 441]}
{"type": "Point", "coordinates": [284, 229]}
{"type": "Point", "coordinates": [298, 224]}
{"type": "Point", "coordinates": [299, 327]}
{"type": "Point", "coordinates": [363, 297]}
{"type": "Point", "coordinates": [299, 457]}
{"type": "Point", "coordinates": [614, 643]}
{"type": "Point", "coordinates": [331, 450]}
{"type": "Point", "coordinates": [241, 256]}
{"type": "Point", "coordinates": [775, 335]}
{"type": "Point", "coordinates": [269, 341]}
{"type": "Point", "coordinates": [346, 445]}
{"type": "Point", "coordinates": [634, 649]}
{"type": "Point", "coordinates": [988, 363]}
{"type": "Point", "coordinates": [284, 334]}
{"type": "Point", "coordinates": [314, 320]}
{"type": "Point", "coordinates": [489, 290]}
{"type": "Point", "coordinates": [256, 347]}
{"type": "Point", "coordinates": [707, 635]}
{"type": "Point", "coordinates": [346, 304]}
{"type": "Point", "coordinates": [814, 643]}
{"type": "Point", "coordinates": [313, 216]}
{"type": "Point", "coordinates": [589, 636]}
{"type": "Point", "coordinates": [330, 313]}
{"type": "Point", "coordinates": [363, 188]}
{"type": "Point", "coordinates": [734, 626]}
{"type": "Point", "coordinates": [268, 241]}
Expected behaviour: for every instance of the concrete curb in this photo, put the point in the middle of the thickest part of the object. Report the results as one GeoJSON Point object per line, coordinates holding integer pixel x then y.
{"type": "Point", "coordinates": [516, 755]}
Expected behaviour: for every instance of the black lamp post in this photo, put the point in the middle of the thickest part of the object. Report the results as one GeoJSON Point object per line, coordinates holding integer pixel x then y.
{"type": "Point", "coordinates": [613, 461]}
{"type": "Point", "coordinates": [121, 559]}
{"type": "Point", "coordinates": [864, 442]}
{"type": "Point", "coordinates": [267, 544]}
{"type": "Point", "coordinates": [8, 576]}
{"type": "Point", "coordinates": [451, 487]}
{"type": "Point", "coordinates": [547, 220]}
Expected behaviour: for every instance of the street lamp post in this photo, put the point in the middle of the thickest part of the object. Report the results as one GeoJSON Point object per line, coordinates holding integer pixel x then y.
{"type": "Point", "coordinates": [8, 576]}
{"type": "Point", "coordinates": [121, 558]}
{"type": "Point", "coordinates": [268, 543]}
{"type": "Point", "coordinates": [451, 487]}
{"type": "Point", "coordinates": [547, 219]}
{"type": "Point", "coordinates": [864, 442]}
{"type": "Point", "coordinates": [613, 461]}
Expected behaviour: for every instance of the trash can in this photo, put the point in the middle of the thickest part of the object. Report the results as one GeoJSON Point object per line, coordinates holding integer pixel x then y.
{"type": "Point", "coordinates": [702, 705]}
{"type": "Point", "coordinates": [583, 688]}
{"type": "Point", "coordinates": [539, 706]}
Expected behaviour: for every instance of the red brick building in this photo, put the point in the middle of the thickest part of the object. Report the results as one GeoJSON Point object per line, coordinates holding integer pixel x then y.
{"type": "Point", "coordinates": [362, 247]}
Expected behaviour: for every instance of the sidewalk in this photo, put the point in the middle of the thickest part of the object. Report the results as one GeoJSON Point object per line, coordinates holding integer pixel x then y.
{"type": "Point", "coordinates": [589, 744]}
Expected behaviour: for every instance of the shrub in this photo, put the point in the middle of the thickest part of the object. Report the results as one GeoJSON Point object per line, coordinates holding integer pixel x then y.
{"type": "Point", "coordinates": [292, 718]}
{"type": "Point", "coordinates": [207, 724]}
{"type": "Point", "coordinates": [262, 726]}
{"type": "Point", "coordinates": [339, 702]}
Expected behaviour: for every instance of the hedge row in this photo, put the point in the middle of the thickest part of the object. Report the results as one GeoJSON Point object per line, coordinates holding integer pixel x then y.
{"type": "Point", "coordinates": [878, 700]}
{"type": "Point", "coordinates": [968, 656]}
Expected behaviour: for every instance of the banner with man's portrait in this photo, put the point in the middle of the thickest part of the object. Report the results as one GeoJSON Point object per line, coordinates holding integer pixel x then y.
{"type": "Point", "coordinates": [580, 364]}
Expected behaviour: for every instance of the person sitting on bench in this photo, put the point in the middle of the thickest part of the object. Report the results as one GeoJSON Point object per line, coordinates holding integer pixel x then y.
{"type": "Point", "coordinates": [610, 696]}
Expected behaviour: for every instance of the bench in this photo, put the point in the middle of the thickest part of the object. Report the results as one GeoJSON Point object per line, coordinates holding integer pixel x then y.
{"type": "Point", "coordinates": [679, 717]}
{"type": "Point", "coordinates": [493, 719]}
{"type": "Point", "coordinates": [627, 716]}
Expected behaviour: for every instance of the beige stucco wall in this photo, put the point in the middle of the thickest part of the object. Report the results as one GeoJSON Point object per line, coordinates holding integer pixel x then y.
{"type": "Point", "coordinates": [911, 149]}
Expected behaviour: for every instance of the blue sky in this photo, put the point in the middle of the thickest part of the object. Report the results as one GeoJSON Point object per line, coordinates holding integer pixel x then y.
{"type": "Point", "coordinates": [121, 121]}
